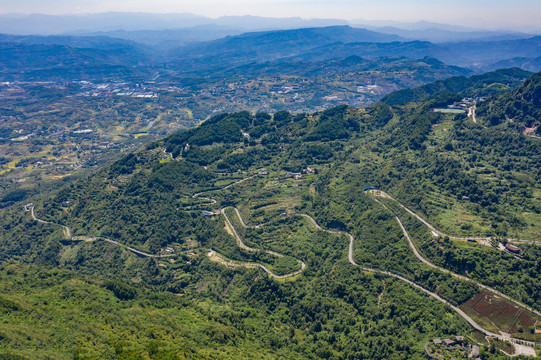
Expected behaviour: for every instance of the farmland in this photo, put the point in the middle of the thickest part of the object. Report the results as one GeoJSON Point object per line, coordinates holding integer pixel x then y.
{"type": "Point", "coordinates": [500, 315]}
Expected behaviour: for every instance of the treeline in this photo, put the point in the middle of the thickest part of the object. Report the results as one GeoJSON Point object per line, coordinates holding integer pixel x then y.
{"type": "Point", "coordinates": [477, 85]}
{"type": "Point", "coordinates": [521, 107]}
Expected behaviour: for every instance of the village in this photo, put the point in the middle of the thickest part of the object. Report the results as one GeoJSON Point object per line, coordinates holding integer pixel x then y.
{"type": "Point", "coordinates": [452, 349]}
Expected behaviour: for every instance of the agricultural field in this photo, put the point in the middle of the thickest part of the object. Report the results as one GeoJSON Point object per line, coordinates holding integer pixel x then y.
{"type": "Point", "coordinates": [450, 111]}
{"type": "Point", "coordinates": [49, 133]}
{"type": "Point", "coordinates": [500, 315]}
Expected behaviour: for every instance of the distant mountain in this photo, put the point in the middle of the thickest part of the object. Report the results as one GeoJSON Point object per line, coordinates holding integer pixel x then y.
{"type": "Point", "coordinates": [168, 39]}
{"type": "Point", "coordinates": [410, 49]}
{"type": "Point", "coordinates": [61, 24]}
{"type": "Point", "coordinates": [417, 25]}
{"type": "Point", "coordinates": [477, 85]}
{"type": "Point", "coordinates": [481, 53]}
{"type": "Point", "coordinates": [472, 54]}
{"type": "Point", "coordinates": [62, 62]}
{"type": "Point", "coordinates": [444, 36]}
{"type": "Point", "coordinates": [87, 42]}
{"type": "Point", "coordinates": [26, 24]}
{"type": "Point", "coordinates": [258, 22]}
{"type": "Point", "coordinates": [269, 45]}
{"type": "Point", "coordinates": [530, 64]}
{"type": "Point", "coordinates": [428, 67]}
{"type": "Point", "coordinates": [60, 57]}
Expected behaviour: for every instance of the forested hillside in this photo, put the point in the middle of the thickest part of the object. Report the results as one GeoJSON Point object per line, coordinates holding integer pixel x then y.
{"type": "Point", "coordinates": [192, 247]}
{"type": "Point", "coordinates": [521, 107]}
{"type": "Point", "coordinates": [486, 84]}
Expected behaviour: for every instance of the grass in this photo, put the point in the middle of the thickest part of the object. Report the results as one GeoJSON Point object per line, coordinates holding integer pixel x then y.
{"type": "Point", "coordinates": [505, 346]}
{"type": "Point", "coordinates": [458, 221]}
{"type": "Point", "coordinates": [138, 135]}
{"type": "Point", "coordinates": [479, 337]}
{"type": "Point", "coordinates": [450, 111]}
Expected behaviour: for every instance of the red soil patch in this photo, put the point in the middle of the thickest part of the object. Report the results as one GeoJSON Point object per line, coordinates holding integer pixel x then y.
{"type": "Point", "coordinates": [502, 313]}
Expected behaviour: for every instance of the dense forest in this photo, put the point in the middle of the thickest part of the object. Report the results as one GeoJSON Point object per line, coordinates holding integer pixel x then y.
{"type": "Point", "coordinates": [84, 294]}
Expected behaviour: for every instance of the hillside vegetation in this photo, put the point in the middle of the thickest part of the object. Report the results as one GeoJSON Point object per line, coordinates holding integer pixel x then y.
{"type": "Point", "coordinates": [466, 178]}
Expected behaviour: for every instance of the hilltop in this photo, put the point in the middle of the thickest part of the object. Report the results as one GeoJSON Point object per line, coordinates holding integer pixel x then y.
{"type": "Point", "coordinates": [521, 107]}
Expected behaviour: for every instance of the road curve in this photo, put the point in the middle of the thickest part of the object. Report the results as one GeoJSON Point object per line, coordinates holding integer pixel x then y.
{"type": "Point", "coordinates": [239, 241]}
{"type": "Point", "coordinates": [243, 246]}
{"type": "Point", "coordinates": [425, 261]}
{"type": "Point", "coordinates": [388, 273]}
{"type": "Point", "coordinates": [68, 236]}
{"type": "Point", "coordinates": [434, 295]}
{"type": "Point", "coordinates": [351, 259]}
{"type": "Point", "coordinates": [432, 228]}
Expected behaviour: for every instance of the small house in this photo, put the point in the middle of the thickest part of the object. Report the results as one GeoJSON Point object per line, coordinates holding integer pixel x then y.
{"type": "Point", "coordinates": [448, 342]}
{"type": "Point", "coordinates": [514, 249]}
{"type": "Point", "coordinates": [475, 351]}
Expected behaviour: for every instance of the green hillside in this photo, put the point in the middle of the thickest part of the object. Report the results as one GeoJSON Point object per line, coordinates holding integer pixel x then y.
{"type": "Point", "coordinates": [265, 236]}
{"type": "Point", "coordinates": [478, 85]}
{"type": "Point", "coordinates": [521, 107]}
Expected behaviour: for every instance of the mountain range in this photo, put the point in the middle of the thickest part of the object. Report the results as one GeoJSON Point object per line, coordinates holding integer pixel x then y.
{"type": "Point", "coordinates": [183, 52]}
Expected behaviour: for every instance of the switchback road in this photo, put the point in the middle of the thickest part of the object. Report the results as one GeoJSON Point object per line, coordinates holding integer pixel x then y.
{"type": "Point", "coordinates": [68, 236]}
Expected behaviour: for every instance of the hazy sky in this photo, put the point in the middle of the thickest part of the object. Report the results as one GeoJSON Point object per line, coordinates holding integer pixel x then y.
{"type": "Point", "coordinates": [474, 13]}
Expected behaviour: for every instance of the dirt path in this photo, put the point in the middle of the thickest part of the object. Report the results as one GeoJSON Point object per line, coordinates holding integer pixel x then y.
{"type": "Point", "coordinates": [381, 294]}
{"type": "Point", "coordinates": [471, 113]}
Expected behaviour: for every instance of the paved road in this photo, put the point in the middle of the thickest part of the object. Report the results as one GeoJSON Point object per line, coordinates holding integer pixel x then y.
{"type": "Point", "coordinates": [435, 296]}
{"type": "Point", "coordinates": [239, 241]}
{"type": "Point", "coordinates": [431, 227]}
{"type": "Point", "coordinates": [213, 201]}
{"type": "Point", "coordinates": [417, 254]}
{"type": "Point", "coordinates": [243, 246]}
{"type": "Point", "coordinates": [234, 263]}
{"type": "Point", "coordinates": [351, 259]}
{"type": "Point", "coordinates": [67, 234]}
{"type": "Point", "coordinates": [425, 261]}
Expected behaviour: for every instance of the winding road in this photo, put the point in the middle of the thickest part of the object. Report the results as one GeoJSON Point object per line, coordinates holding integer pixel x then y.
{"type": "Point", "coordinates": [243, 246]}
{"type": "Point", "coordinates": [438, 232]}
{"type": "Point", "coordinates": [69, 236]}
{"type": "Point", "coordinates": [351, 260]}
{"type": "Point", "coordinates": [214, 255]}
{"type": "Point", "coordinates": [434, 295]}
{"type": "Point", "coordinates": [425, 261]}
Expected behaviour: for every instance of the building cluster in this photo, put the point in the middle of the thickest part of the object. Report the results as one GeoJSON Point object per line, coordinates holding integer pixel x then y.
{"type": "Point", "coordinates": [472, 351]}
{"type": "Point", "coordinates": [298, 175]}
{"type": "Point", "coordinates": [466, 103]}
{"type": "Point", "coordinates": [147, 91]}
